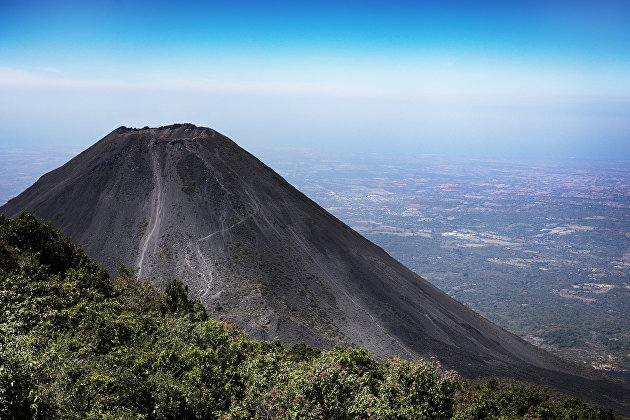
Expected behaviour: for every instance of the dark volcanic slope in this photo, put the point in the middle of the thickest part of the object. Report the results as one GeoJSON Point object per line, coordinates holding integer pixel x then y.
{"type": "Point", "coordinates": [186, 202]}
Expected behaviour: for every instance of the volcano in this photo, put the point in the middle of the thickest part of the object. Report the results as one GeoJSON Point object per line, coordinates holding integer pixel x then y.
{"type": "Point", "coordinates": [186, 202]}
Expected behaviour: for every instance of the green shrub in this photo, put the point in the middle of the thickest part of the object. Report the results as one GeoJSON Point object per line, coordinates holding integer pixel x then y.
{"type": "Point", "coordinates": [75, 343]}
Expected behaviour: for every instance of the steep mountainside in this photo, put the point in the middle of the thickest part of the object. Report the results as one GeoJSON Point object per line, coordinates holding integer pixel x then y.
{"type": "Point", "coordinates": [186, 202]}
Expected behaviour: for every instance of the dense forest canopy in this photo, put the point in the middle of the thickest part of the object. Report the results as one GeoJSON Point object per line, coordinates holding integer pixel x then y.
{"type": "Point", "coordinates": [76, 343]}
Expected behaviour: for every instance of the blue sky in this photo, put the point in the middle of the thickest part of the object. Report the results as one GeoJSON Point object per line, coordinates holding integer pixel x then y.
{"type": "Point", "coordinates": [535, 79]}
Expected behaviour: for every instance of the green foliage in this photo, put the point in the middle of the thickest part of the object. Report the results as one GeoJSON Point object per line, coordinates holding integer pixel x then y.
{"type": "Point", "coordinates": [75, 343]}
{"type": "Point", "coordinates": [490, 401]}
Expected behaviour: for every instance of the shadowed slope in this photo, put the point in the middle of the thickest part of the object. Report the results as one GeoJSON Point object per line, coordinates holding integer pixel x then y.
{"type": "Point", "coordinates": [186, 202]}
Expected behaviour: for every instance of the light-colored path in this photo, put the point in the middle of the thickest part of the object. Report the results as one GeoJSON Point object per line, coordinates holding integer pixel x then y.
{"type": "Point", "coordinates": [156, 213]}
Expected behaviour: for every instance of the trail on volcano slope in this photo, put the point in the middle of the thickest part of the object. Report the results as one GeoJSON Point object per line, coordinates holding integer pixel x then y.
{"type": "Point", "coordinates": [156, 212]}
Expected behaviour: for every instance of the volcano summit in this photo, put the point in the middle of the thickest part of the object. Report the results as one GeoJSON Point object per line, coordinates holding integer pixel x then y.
{"type": "Point", "coordinates": [186, 202]}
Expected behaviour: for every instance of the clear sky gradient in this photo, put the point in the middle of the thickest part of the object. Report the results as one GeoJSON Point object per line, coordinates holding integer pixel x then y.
{"type": "Point", "coordinates": [497, 79]}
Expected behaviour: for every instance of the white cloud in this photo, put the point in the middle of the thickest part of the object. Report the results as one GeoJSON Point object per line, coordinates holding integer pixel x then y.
{"type": "Point", "coordinates": [24, 79]}
{"type": "Point", "coordinates": [48, 69]}
{"type": "Point", "coordinates": [18, 78]}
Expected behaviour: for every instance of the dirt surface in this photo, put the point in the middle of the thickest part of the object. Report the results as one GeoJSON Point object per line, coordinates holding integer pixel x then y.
{"type": "Point", "coordinates": [186, 202]}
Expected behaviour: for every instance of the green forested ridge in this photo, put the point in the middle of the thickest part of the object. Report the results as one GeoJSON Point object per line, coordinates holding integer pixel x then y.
{"type": "Point", "coordinates": [76, 343]}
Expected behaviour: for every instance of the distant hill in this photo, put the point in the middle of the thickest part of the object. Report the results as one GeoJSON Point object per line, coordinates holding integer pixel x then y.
{"type": "Point", "coordinates": [186, 202]}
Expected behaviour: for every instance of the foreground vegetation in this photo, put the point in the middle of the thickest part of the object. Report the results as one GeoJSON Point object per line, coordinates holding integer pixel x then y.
{"type": "Point", "coordinates": [75, 343]}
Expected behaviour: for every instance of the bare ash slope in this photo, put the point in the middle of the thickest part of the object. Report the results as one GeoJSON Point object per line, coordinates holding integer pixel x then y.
{"type": "Point", "coordinates": [186, 202]}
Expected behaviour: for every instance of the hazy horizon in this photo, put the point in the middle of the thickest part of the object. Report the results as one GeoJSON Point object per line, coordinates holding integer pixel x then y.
{"type": "Point", "coordinates": [493, 79]}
